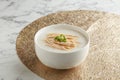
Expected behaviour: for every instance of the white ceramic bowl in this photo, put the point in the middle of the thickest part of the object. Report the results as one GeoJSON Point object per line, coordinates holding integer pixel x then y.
{"type": "Point", "coordinates": [65, 59]}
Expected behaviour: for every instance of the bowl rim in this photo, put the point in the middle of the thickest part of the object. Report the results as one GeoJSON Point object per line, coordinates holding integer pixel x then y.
{"type": "Point", "coordinates": [73, 51]}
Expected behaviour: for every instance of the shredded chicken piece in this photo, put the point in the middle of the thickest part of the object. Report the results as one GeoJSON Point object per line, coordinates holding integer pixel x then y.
{"type": "Point", "coordinates": [71, 42]}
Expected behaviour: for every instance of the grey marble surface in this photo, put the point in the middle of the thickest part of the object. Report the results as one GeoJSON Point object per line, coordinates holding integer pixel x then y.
{"type": "Point", "coordinates": [16, 14]}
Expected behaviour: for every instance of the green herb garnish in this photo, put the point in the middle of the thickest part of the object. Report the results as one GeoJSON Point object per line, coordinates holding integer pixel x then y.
{"type": "Point", "coordinates": [60, 38]}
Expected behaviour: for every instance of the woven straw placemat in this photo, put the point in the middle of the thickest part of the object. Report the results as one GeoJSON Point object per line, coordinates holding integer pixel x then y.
{"type": "Point", "coordinates": [103, 61]}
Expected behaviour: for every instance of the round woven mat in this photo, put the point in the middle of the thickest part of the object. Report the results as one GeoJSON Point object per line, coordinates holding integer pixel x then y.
{"type": "Point", "coordinates": [103, 61]}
